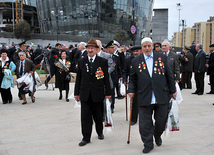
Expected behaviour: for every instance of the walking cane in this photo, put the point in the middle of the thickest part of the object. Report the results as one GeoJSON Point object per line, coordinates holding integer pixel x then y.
{"type": "Point", "coordinates": [130, 121]}
{"type": "Point", "coordinates": [126, 105]}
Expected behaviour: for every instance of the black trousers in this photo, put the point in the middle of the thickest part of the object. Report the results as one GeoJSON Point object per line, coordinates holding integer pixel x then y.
{"type": "Point", "coordinates": [199, 80]}
{"type": "Point", "coordinates": [91, 111]}
{"type": "Point", "coordinates": [6, 95]}
{"type": "Point", "coordinates": [52, 73]}
{"type": "Point", "coordinates": [212, 83]}
{"type": "Point", "coordinates": [134, 109]}
{"type": "Point", "coordinates": [187, 76]}
{"type": "Point", "coordinates": [147, 128]}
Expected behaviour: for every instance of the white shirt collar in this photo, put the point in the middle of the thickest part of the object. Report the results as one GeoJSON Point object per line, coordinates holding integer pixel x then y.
{"type": "Point", "coordinates": [146, 57]}
{"type": "Point", "coordinates": [92, 58]}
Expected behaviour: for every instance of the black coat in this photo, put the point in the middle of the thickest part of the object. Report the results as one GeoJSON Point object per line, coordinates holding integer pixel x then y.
{"type": "Point", "coordinates": [210, 70]}
{"type": "Point", "coordinates": [54, 55]}
{"type": "Point", "coordinates": [117, 73]}
{"type": "Point", "coordinates": [199, 62]}
{"type": "Point", "coordinates": [187, 66]}
{"type": "Point", "coordinates": [140, 82]}
{"type": "Point", "coordinates": [127, 68]}
{"type": "Point", "coordinates": [88, 85]}
{"type": "Point", "coordinates": [60, 81]}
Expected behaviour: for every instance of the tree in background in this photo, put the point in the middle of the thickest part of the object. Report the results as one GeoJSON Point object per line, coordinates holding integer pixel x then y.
{"type": "Point", "coordinates": [22, 30]}
{"type": "Point", "coordinates": [121, 36]}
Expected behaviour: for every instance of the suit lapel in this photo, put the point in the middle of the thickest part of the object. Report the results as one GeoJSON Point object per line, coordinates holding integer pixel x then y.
{"type": "Point", "coordinates": [144, 62]}
{"type": "Point", "coordinates": [86, 65]}
{"type": "Point", "coordinates": [154, 59]}
{"type": "Point", "coordinates": [95, 65]}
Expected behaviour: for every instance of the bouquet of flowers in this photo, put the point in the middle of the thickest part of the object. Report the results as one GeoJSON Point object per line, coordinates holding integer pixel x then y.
{"type": "Point", "coordinates": [108, 118]}
{"type": "Point", "coordinates": [59, 63]}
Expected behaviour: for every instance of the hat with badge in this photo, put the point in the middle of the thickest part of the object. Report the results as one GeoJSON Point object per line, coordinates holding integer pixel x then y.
{"type": "Point", "coordinates": [187, 48]}
{"type": "Point", "coordinates": [136, 47]}
{"type": "Point", "coordinates": [22, 44]}
{"type": "Point", "coordinates": [157, 44]}
{"type": "Point", "coordinates": [212, 45]}
{"type": "Point", "coordinates": [92, 42]}
{"type": "Point", "coordinates": [110, 44]}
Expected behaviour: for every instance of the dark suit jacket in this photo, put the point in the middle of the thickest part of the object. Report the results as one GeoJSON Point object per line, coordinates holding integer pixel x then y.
{"type": "Point", "coordinates": [117, 73]}
{"type": "Point", "coordinates": [199, 62]}
{"type": "Point", "coordinates": [122, 59]}
{"type": "Point", "coordinates": [210, 70]}
{"type": "Point", "coordinates": [174, 65]}
{"type": "Point", "coordinates": [89, 85]}
{"type": "Point", "coordinates": [127, 68]}
{"type": "Point", "coordinates": [28, 66]}
{"type": "Point", "coordinates": [141, 83]}
{"type": "Point", "coordinates": [54, 55]}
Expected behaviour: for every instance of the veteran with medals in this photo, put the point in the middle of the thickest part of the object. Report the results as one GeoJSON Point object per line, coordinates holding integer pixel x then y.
{"type": "Point", "coordinates": [152, 80]}
{"type": "Point", "coordinates": [91, 88]}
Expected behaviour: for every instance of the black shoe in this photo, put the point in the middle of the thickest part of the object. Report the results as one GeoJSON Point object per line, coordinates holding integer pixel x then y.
{"type": "Point", "coordinates": [33, 100]}
{"type": "Point", "coordinates": [101, 137]}
{"type": "Point", "coordinates": [195, 92]}
{"type": "Point", "coordinates": [210, 92]}
{"type": "Point", "coordinates": [112, 110]}
{"type": "Point", "coordinates": [46, 84]}
{"type": "Point", "coordinates": [83, 143]}
{"type": "Point", "coordinates": [4, 102]}
{"type": "Point", "coordinates": [158, 141]}
{"type": "Point", "coordinates": [60, 97]}
{"type": "Point", "coordinates": [24, 103]}
{"type": "Point", "coordinates": [133, 123]}
{"type": "Point", "coordinates": [147, 149]}
{"type": "Point", "coordinates": [200, 93]}
{"type": "Point", "coordinates": [10, 101]}
{"type": "Point", "coordinates": [20, 98]}
{"type": "Point", "coordinates": [213, 103]}
{"type": "Point", "coordinates": [67, 100]}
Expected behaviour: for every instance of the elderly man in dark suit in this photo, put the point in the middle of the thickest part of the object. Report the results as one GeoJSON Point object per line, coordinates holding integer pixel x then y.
{"type": "Point", "coordinates": [187, 68]}
{"type": "Point", "coordinates": [199, 69]}
{"type": "Point", "coordinates": [25, 66]}
{"type": "Point", "coordinates": [172, 58]}
{"type": "Point", "coordinates": [151, 78]}
{"type": "Point", "coordinates": [91, 88]}
{"type": "Point", "coordinates": [210, 69]}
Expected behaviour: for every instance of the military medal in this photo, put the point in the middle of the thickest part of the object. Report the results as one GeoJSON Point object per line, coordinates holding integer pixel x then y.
{"type": "Point", "coordinates": [139, 66]}
{"type": "Point", "coordinates": [155, 70]}
{"type": "Point", "coordinates": [159, 71]}
{"type": "Point", "coordinates": [144, 66]}
{"type": "Point", "coordinates": [140, 70]}
{"type": "Point", "coordinates": [163, 71]}
{"type": "Point", "coordinates": [159, 59]}
{"type": "Point", "coordinates": [130, 66]}
{"type": "Point", "coordinates": [99, 73]}
{"type": "Point", "coordinates": [87, 67]}
{"type": "Point", "coordinates": [156, 63]}
{"type": "Point", "coordinates": [162, 64]}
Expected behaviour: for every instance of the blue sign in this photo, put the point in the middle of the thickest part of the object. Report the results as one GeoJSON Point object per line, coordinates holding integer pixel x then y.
{"type": "Point", "coordinates": [133, 29]}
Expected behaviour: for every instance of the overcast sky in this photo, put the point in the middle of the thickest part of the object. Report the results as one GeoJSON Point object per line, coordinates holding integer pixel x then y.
{"type": "Point", "coordinates": [193, 11]}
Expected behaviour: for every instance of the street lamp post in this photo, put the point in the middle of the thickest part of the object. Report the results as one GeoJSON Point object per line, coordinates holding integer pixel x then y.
{"type": "Point", "coordinates": [58, 13]}
{"type": "Point", "coordinates": [179, 7]}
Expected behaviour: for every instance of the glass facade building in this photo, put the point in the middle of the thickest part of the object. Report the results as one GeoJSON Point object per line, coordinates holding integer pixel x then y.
{"type": "Point", "coordinates": [95, 18]}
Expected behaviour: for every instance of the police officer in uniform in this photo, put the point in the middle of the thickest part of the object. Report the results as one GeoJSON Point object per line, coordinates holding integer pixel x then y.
{"type": "Point", "coordinates": [136, 50]}
{"type": "Point", "coordinates": [22, 48]}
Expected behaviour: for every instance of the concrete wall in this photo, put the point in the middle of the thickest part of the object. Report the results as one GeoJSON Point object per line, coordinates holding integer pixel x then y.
{"type": "Point", "coordinates": [160, 25]}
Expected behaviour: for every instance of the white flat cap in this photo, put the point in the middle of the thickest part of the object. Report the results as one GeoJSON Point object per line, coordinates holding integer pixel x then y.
{"type": "Point", "coordinates": [146, 39]}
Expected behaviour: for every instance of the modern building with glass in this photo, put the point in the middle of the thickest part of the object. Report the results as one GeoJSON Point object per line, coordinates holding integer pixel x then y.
{"type": "Point", "coordinates": [95, 18]}
{"type": "Point", "coordinates": [8, 12]}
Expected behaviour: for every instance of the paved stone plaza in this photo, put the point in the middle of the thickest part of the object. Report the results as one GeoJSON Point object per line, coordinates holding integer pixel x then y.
{"type": "Point", "coordinates": [52, 127]}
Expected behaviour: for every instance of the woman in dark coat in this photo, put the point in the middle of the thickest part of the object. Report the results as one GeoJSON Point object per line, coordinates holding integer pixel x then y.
{"type": "Point", "coordinates": [62, 76]}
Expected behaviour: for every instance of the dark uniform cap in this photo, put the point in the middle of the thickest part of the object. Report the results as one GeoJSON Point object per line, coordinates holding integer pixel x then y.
{"type": "Point", "coordinates": [136, 47]}
{"type": "Point", "coordinates": [157, 44]}
{"type": "Point", "coordinates": [212, 45]}
{"type": "Point", "coordinates": [110, 44]}
{"type": "Point", "coordinates": [22, 43]}
{"type": "Point", "coordinates": [187, 48]}
{"type": "Point", "coordinates": [92, 42]}
{"type": "Point", "coordinates": [57, 44]}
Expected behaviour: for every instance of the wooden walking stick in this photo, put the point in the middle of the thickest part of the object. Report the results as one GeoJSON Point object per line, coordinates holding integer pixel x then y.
{"type": "Point", "coordinates": [130, 120]}
{"type": "Point", "coordinates": [126, 105]}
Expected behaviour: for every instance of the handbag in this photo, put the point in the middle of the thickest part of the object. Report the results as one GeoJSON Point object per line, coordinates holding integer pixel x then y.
{"type": "Point", "coordinates": [68, 77]}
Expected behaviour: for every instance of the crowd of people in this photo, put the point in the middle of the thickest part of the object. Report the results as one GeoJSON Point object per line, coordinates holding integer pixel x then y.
{"type": "Point", "coordinates": [149, 71]}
